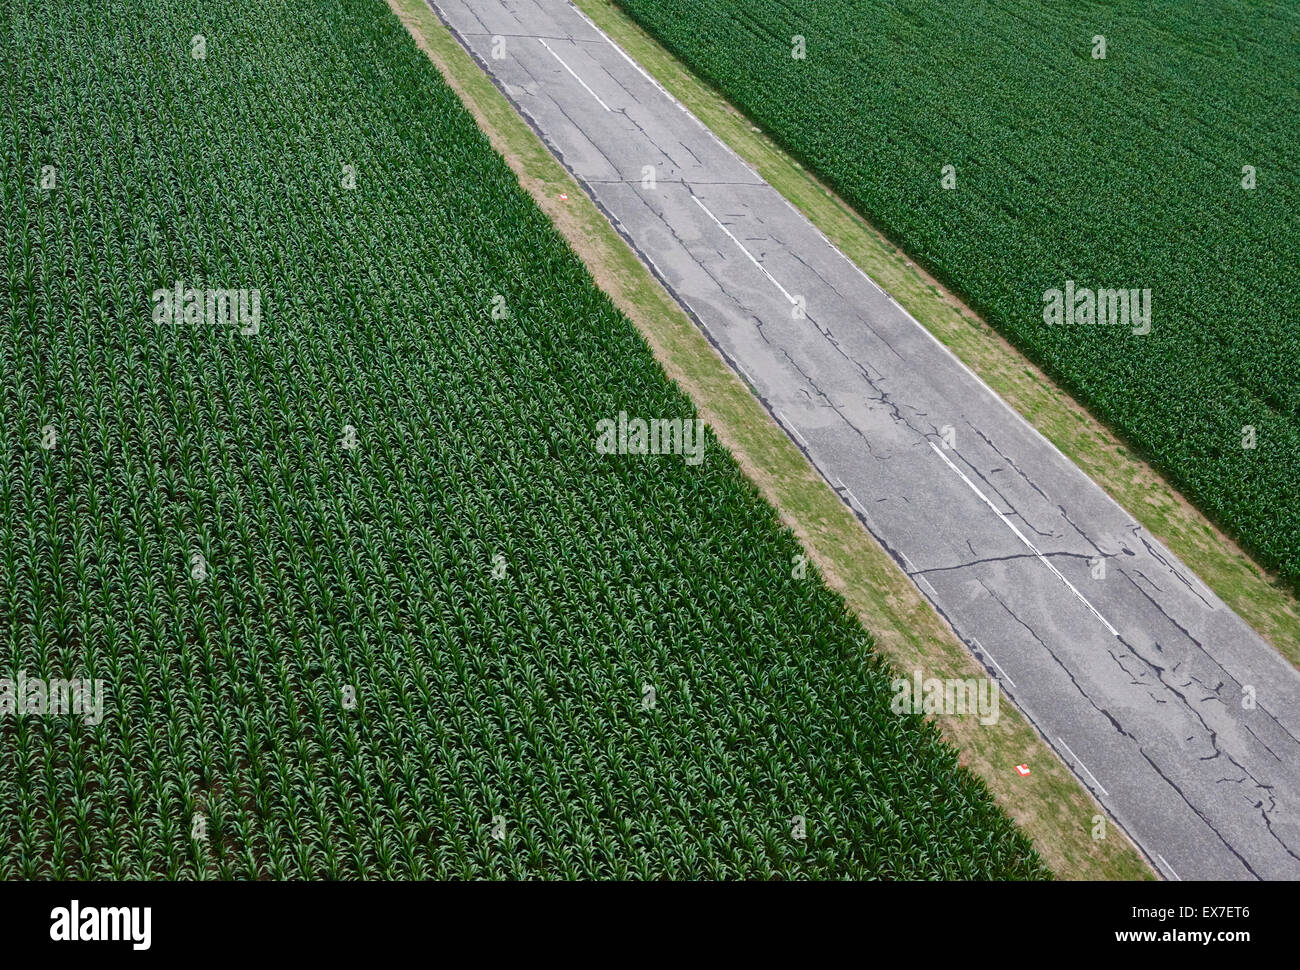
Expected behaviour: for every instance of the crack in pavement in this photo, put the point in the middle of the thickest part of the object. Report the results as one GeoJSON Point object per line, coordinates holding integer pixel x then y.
{"type": "Point", "coordinates": [1198, 813]}
{"type": "Point", "coordinates": [1086, 538]}
{"type": "Point", "coordinates": [1010, 461]}
{"type": "Point", "coordinates": [1010, 558]}
{"type": "Point", "coordinates": [1124, 733]}
{"type": "Point", "coordinates": [1010, 509]}
{"type": "Point", "coordinates": [1155, 554]}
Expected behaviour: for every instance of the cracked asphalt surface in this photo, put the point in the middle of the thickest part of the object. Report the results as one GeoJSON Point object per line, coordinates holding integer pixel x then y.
{"type": "Point", "coordinates": [1142, 681]}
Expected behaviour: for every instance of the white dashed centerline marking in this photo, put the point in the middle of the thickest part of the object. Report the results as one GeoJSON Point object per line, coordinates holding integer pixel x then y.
{"type": "Point", "coordinates": [760, 266]}
{"type": "Point", "coordinates": [1021, 536]}
{"type": "Point", "coordinates": [1083, 766]}
{"type": "Point", "coordinates": [575, 76]}
{"type": "Point", "coordinates": [639, 69]}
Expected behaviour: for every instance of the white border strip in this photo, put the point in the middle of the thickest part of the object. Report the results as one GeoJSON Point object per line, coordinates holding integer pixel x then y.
{"type": "Point", "coordinates": [993, 660]}
{"type": "Point", "coordinates": [1166, 864]}
{"type": "Point", "coordinates": [575, 76]}
{"type": "Point", "coordinates": [793, 430]}
{"type": "Point", "coordinates": [760, 266]}
{"type": "Point", "coordinates": [1085, 768]}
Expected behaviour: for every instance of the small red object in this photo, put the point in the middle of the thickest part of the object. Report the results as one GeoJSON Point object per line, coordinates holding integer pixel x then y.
{"type": "Point", "coordinates": [1023, 769]}
{"type": "Point", "coordinates": [564, 197]}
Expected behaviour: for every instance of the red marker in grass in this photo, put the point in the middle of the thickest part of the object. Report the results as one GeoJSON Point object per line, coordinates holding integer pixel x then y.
{"type": "Point", "coordinates": [1023, 769]}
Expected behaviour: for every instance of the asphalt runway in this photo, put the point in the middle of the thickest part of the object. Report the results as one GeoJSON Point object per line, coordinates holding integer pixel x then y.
{"type": "Point", "coordinates": [1141, 680]}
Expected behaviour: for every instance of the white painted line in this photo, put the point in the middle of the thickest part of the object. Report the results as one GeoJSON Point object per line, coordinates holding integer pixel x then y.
{"type": "Point", "coordinates": [907, 562]}
{"type": "Point", "coordinates": [1168, 866]}
{"type": "Point", "coordinates": [793, 430]}
{"type": "Point", "coordinates": [758, 179]}
{"type": "Point", "coordinates": [853, 498]}
{"type": "Point", "coordinates": [746, 375]}
{"type": "Point", "coordinates": [575, 76]}
{"type": "Point", "coordinates": [1021, 536]}
{"type": "Point", "coordinates": [627, 57]}
{"type": "Point", "coordinates": [993, 660]}
{"type": "Point", "coordinates": [933, 593]}
{"type": "Point", "coordinates": [1083, 766]}
{"type": "Point", "coordinates": [742, 248]}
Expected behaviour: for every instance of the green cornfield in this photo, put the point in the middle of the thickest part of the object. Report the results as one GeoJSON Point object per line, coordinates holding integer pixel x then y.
{"type": "Point", "coordinates": [363, 596]}
{"type": "Point", "coordinates": [1169, 164]}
